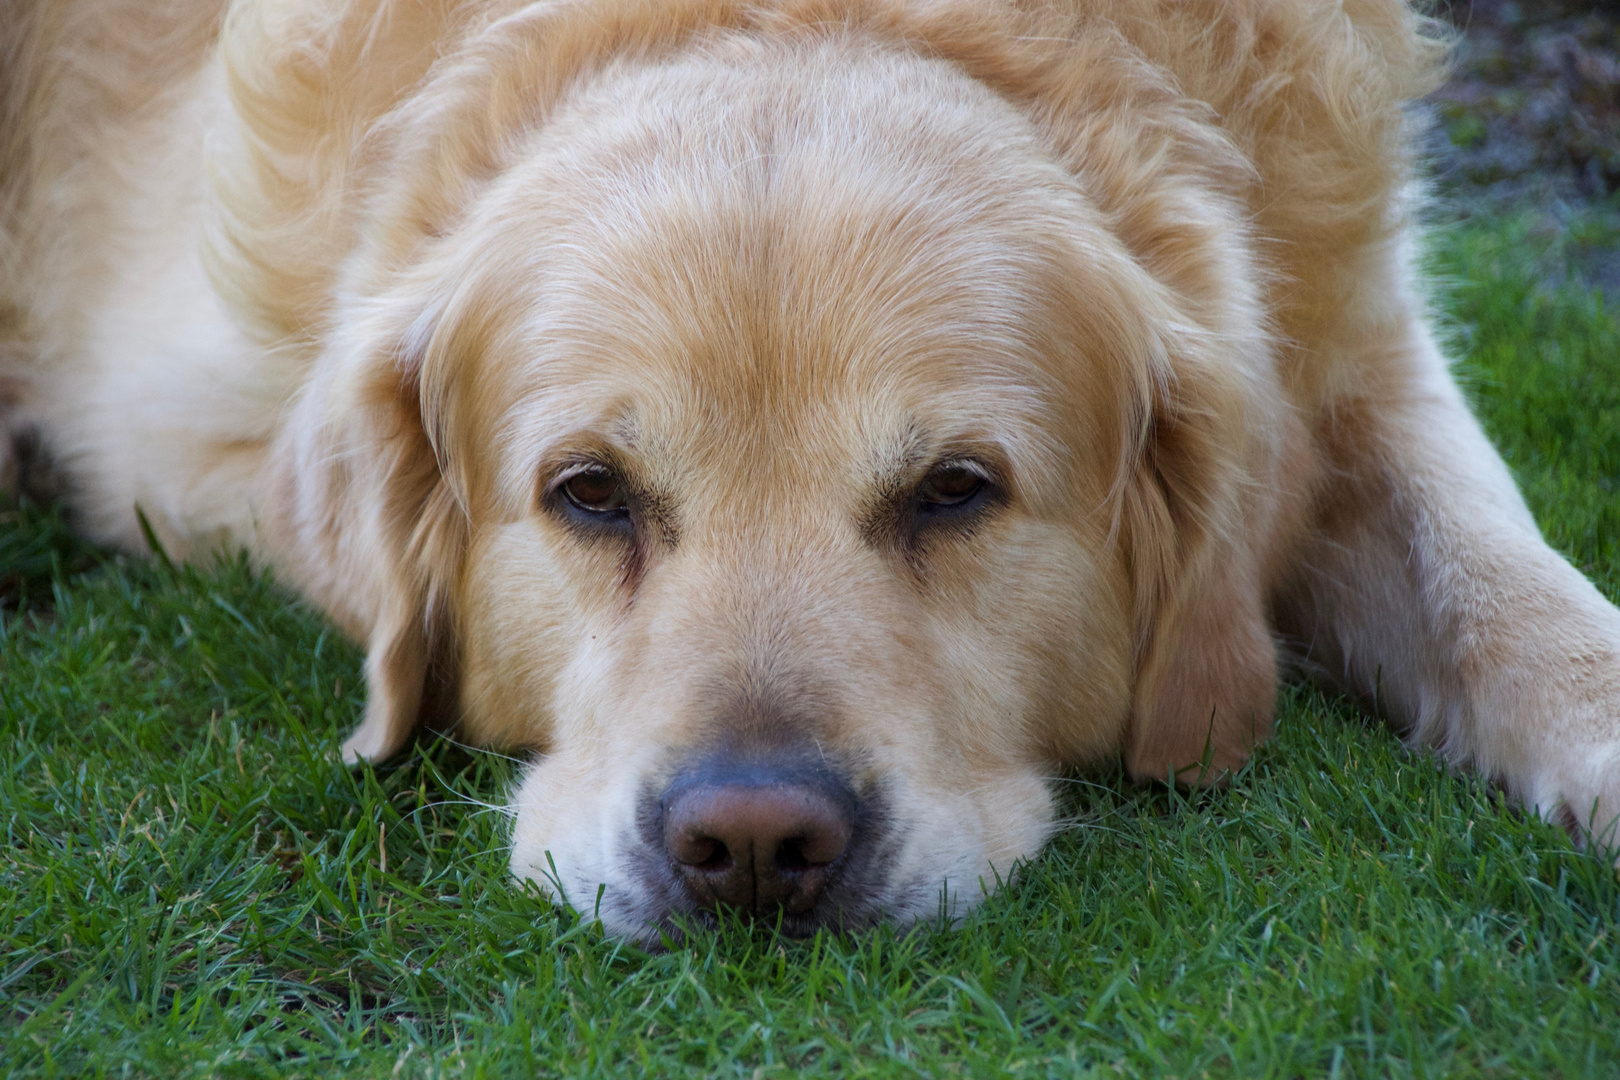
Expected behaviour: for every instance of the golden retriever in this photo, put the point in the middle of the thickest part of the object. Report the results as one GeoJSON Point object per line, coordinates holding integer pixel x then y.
{"type": "Point", "coordinates": [807, 425]}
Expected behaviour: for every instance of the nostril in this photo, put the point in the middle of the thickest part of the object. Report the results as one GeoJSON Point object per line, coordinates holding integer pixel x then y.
{"type": "Point", "coordinates": [706, 853]}
{"type": "Point", "coordinates": [790, 857]}
{"type": "Point", "coordinates": [824, 843]}
{"type": "Point", "coordinates": [718, 863]}
{"type": "Point", "coordinates": [793, 856]}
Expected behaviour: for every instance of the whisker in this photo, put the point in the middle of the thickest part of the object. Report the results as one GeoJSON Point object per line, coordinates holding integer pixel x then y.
{"type": "Point", "coordinates": [483, 807]}
{"type": "Point", "coordinates": [453, 741]}
{"type": "Point", "coordinates": [1081, 783]}
{"type": "Point", "coordinates": [1076, 821]}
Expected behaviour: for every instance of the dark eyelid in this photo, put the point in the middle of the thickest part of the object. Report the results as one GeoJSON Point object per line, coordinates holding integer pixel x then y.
{"type": "Point", "coordinates": [579, 468]}
{"type": "Point", "coordinates": [965, 464]}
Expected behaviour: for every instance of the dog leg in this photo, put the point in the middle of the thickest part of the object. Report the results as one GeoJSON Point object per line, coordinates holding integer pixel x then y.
{"type": "Point", "coordinates": [1426, 586]}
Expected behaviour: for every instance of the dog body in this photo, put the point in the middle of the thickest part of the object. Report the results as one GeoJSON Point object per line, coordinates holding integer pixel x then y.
{"type": "Point", "coordinates": [809, 425]}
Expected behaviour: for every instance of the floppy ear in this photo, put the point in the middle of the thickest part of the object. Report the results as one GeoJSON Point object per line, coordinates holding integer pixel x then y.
{"type": "Point", "coordinates": [365, 520]}
{"type": "Point", "coordinates": [1194, 531]}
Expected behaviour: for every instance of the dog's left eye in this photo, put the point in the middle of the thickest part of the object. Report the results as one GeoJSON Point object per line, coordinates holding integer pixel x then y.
{"type": "Point", "coordinates": [595, 490]}
{"type": "Point", "coordinates": [950, 484]}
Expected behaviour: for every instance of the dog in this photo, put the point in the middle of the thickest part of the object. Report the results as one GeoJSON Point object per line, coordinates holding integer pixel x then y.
{"type": "Point", "coordinates": [807, 426]}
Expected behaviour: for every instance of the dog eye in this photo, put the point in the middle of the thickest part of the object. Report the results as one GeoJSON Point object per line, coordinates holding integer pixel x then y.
{"type": "Point", "coordinates": [950, 484]}
{"type": "Point", "coordinates": [595, 490]}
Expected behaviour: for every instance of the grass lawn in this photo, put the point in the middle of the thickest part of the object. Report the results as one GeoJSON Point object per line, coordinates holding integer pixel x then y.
{"type": "Point", "coordinates": [191, 886]}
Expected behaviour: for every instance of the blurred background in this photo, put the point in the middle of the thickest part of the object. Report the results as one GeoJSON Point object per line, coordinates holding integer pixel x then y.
{"type": "Point", "coordinates": [1530, 123]}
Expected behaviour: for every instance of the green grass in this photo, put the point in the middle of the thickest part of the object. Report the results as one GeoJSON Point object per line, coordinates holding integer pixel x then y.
{"type": "Point", "coordinates": [191, 886]}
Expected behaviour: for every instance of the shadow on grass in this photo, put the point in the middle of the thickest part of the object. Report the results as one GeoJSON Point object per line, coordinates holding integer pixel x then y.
{"type": "Point", "coordinates": [38, 549]}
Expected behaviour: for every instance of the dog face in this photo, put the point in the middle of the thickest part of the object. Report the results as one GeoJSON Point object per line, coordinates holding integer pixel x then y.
{"type": "Point", "coordinates": [793, 506]}
{"type": "Point", "coordinates": [777, 478]}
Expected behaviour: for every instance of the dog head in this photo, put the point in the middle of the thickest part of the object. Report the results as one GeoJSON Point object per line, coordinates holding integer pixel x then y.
{"type": "Point", "coordinates": [796, 441]}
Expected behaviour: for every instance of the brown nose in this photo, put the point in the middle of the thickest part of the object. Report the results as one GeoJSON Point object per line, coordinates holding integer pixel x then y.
{"type": "Point", "coordinates": [757, 846]}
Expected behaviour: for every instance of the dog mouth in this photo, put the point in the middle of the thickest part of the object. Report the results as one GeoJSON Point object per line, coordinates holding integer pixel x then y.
{"type": "Point", "coordinates": [780, 840]}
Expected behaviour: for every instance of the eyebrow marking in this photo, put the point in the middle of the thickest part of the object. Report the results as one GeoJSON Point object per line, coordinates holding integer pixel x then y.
{"type": "Point", "coordinates": [900, 461]}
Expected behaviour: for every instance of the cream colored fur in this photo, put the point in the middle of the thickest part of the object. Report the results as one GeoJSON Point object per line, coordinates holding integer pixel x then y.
{"type": "Point", "coordinates": [350, 284]}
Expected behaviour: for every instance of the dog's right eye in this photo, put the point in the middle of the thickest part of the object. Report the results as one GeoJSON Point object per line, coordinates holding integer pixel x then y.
{"type": "Point", "coordinates": [596, 491]}
{"type": "Point", "coordinates": [948, 485]}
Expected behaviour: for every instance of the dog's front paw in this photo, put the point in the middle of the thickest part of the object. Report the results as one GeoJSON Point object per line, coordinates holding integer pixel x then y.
{"type": "Point", "coordinates": [369, 742]}
{"type": "Point", "coordinates": [1581, 792]}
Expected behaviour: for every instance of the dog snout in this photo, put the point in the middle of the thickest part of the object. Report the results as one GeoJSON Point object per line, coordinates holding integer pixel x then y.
{"type": "Point", "coordinates": [757, 839]}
